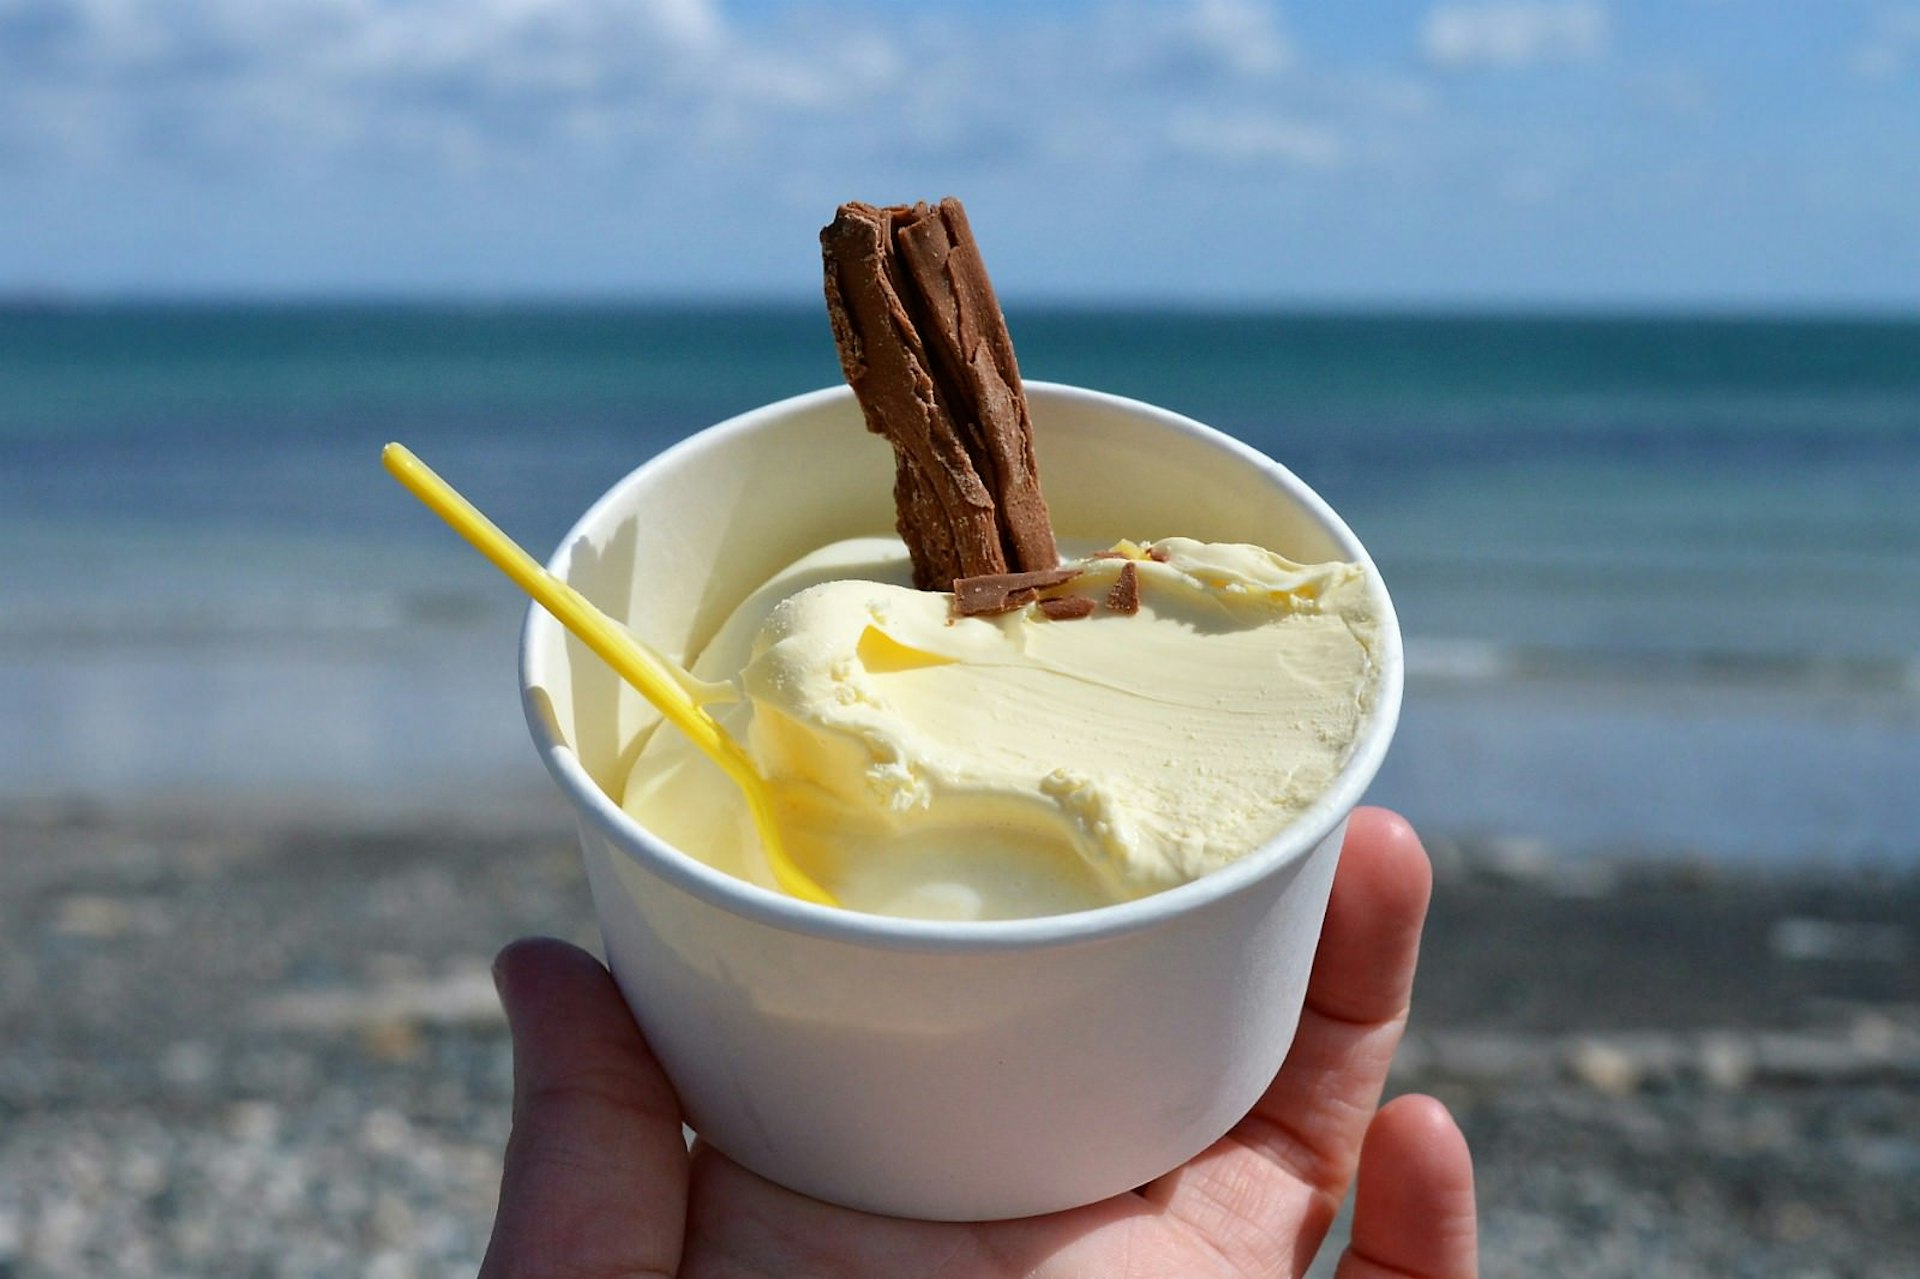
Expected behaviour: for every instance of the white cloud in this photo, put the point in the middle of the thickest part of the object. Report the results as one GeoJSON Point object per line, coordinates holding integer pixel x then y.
{"type": "Point", "coordinates": [1891, 49]}
{"type": "Point", "coordinates": [1514, 33]}
{"type": "Point", "coordinates": [653, 143]}
{"type": "Point", "coordinates": [379, 86]}
{"type": "Point", "coordinates": [373, 85]}
{"type": "Point", "coordinates": [1196, 45]}
{"type": "Point", "coordinates": [300, 76]}
{"type": "Point", "coordinates": [1245, 35]}
{"type": "Point", "coordinates": [1249, 139]}
{"type": "Point", "coordinates": [594, 119]}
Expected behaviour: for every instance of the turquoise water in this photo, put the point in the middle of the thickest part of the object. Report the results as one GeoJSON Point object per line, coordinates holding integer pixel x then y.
{"type": "Point", "coordinates": [1575, 515]}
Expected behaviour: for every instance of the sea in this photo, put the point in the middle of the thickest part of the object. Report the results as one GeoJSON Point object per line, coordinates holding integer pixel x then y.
{"type": "Point", "coordinates": [1659, 574]}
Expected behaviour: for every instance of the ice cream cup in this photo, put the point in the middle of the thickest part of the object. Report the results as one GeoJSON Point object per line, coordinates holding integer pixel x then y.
{"type": "Point", "coordinates": [959, 1071]}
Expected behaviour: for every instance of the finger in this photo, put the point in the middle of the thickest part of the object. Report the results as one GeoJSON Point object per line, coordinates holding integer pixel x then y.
{"type": "Point", "coordinates": [1313, 1118]}
{"type": "Point", "coordinates": [1291, 1158]}
{"type": "Point", "coordinates": [595, 1182]}
{"type": "Point", "coordinates": [1413, 1210]}
{"type": "Point", "coordinates": [1370, 943]}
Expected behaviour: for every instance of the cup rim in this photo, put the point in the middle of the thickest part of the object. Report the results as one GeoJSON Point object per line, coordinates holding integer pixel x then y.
{"type": "Point", "coordinates": [737, 896]}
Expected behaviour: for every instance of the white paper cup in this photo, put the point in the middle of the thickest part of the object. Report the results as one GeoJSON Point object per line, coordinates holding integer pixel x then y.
{"type": "Point", "coordinates": [960, 1071]}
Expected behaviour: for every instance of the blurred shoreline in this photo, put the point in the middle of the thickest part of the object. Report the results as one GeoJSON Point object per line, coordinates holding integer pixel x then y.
{"type": "Point", "coordinates": [1761, 765]}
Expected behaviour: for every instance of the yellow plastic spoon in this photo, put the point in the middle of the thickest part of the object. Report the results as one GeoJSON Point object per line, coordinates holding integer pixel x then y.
{"type": "Point", "coordinates": [658, 678]}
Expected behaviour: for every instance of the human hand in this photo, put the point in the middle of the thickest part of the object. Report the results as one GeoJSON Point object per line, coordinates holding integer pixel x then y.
{"type": "Point", "coordinates": [599, 1183]}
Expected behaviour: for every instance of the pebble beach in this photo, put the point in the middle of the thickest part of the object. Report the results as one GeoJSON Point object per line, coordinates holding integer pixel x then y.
{"type": "Point", "coordinates": [256, 1043]}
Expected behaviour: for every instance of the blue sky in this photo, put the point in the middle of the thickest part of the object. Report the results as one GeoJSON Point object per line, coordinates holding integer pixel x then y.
{"type": "Point", "coordinates": [1721, 153]}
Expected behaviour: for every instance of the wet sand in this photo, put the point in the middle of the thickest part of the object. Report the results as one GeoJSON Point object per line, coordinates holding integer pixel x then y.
{"type": "Point", "coordinates": [266, 1043]}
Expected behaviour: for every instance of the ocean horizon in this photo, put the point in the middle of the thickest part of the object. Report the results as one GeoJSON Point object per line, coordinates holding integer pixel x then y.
{"type": "Point", "coordinates": [1659, 574]}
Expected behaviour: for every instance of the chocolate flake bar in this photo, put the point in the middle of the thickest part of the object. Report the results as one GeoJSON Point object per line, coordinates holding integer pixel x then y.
{"type": "Point", "coordinates": [925, 348]}
{"type": "Point", "coordinates": [1003, 592]}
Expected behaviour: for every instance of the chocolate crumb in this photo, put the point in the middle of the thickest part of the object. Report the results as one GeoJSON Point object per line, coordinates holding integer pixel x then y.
{"type": "Point", "coordinates": [989, 593]}
{"type": "Point", "coordinates": [1065, 608]}
{"type": "Point", "coordinates": [1158, 554]}
{"type": "Point", "coordinates": [1125, 595]}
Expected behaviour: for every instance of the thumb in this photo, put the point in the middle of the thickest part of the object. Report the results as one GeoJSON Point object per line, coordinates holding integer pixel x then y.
{"type": "Point", "coordinates": [1413, 1212]}
{"type": "Point", "coordinates": [595, 1182]}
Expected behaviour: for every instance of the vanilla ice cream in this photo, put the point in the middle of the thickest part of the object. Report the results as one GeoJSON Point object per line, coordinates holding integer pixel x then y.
{"type": "Point", "coordinates": [1036, 761]}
